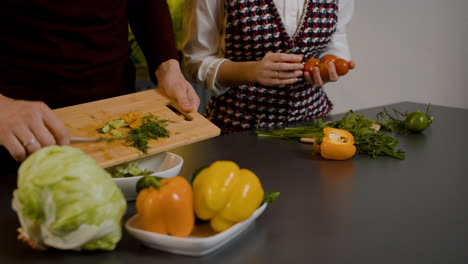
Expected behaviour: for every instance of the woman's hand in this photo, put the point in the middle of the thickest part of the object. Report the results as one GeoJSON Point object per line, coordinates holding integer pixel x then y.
{"type": "Point", "coordinates": [316, 79]}
{"type": "Point", "coordinates": [27, 126]}
{"type": "Point", "coordinates": [278, 69]}
{"type": "Point", "coordinates": [172, 81]}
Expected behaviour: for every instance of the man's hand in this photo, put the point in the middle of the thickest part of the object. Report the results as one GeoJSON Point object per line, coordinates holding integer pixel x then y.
{"type": "Point", "coordinates": [27, 126]}
{"type": "Point", "coordinates": [172, 81]}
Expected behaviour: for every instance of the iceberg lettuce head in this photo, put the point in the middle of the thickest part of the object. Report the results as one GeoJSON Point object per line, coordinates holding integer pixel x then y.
{"type": "Point", "coordinates": [66, 201]}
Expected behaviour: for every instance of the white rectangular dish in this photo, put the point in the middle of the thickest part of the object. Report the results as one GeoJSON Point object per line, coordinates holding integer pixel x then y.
{"type": "Point", "coordinates": [199, 243]}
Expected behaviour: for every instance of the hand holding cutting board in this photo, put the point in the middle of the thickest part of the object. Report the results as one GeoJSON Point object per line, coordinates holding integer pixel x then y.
{"type": "Point", "coordinates": [27, 126]}
{"type": "Point", "coordinates": [172, 81]}
{"type": "Point", "coordinates": [86, 120]}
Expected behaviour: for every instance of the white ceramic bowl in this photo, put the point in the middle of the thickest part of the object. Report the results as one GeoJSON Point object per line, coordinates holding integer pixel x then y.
{"type": "Point", "coordinates": [192, 245]}
{"type": "Point", "coordinates": [165, 165]}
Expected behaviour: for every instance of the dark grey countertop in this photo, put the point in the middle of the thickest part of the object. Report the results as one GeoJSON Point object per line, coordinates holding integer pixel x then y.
{"type": "Point", "coordinates": [362, 210]}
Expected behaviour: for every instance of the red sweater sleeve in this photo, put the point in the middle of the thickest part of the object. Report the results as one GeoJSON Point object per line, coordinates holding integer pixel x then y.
{"type": "Point", "coordinates": [151, 24]}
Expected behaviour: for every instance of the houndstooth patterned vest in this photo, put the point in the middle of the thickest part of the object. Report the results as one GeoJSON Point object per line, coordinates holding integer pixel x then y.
{"type": "Point", "coordinates": [254, 28]}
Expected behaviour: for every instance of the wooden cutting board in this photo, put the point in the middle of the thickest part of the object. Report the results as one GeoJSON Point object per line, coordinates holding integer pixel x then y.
{"type": "Point", "coordinates": [85, 119]}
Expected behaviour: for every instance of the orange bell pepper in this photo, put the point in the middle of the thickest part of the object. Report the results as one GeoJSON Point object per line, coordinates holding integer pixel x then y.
{"type": "Point", "coordinates": [166, 207]}
{"type": "Point", "coordinates": [337, 144]}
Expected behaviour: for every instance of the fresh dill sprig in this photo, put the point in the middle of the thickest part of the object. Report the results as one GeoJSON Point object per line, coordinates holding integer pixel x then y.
{"type": "Point", "coordinates": [367, 140]}
{"type": "Point", "coordinates": [151, 128]}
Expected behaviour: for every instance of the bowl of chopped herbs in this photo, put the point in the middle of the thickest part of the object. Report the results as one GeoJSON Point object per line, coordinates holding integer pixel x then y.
{"type": "Point", "coordinates": [126, 175]}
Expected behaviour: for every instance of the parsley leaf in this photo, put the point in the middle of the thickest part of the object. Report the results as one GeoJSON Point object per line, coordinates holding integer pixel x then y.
{"type": "Point", "coordinates": [151, 128]}
{"type": "Point", "coordinates": [367, 140]}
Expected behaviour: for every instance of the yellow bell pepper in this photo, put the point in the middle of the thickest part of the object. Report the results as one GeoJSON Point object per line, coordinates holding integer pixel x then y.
{"type": "Point", "coordinates": [337, 144]}
{"type": "Point", "coordinates": [225, 194]}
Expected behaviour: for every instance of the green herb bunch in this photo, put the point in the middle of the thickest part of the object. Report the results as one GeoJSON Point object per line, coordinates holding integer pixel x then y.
{"type": "Point", "coordinates": [151, 128]}
{"type": "Point", "coordinates": [367, 140]}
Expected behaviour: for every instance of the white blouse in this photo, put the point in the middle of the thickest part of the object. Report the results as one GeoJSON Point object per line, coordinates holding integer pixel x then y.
{"type": "Point", "coordinates": [203, 36]}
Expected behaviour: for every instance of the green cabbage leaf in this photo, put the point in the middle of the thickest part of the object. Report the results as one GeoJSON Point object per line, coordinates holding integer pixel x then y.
{"type": "Point", "coordinates": [66, 201]}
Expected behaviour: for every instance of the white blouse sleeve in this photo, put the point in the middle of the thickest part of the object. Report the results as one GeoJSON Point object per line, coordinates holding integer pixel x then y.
{"type": "Point", "coordinates": [203, 31]}
{"type": "Point", "coordinates": [203, 40]}
{"type": "Point", "coordinates": [339, 43]}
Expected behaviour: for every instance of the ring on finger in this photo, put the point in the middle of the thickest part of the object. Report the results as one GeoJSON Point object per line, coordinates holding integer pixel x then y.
{"type": "Point", "coordinates": [277, 74]}
{"type": "Point", "coordinates": [30, 142]}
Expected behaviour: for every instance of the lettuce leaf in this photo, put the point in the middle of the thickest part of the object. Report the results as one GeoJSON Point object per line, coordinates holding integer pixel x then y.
{"type": "Point", "coordinates": [66, 201]}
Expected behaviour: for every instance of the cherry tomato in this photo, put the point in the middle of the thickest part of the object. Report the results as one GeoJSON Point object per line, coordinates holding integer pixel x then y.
{"type": "Point", "coordinates": [323, 68]}
{"type": "Point", "coordinates": [416, 121]}
{"type": "Point", "coordinates": [328, 58]}
{"type": "Point", "coordinates": [342, 67]}
{"type": "Point", "coordinates": [310, 64]}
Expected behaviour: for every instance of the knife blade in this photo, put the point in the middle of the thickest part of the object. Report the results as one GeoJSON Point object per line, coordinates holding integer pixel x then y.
{"type": "Point", "coordinates": [85, 139]}
{"type": "Point", "coordinates": [94, 139]}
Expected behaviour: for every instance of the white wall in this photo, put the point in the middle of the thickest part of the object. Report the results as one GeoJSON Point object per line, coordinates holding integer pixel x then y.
{"type": "Point", "coordinates": [405, 50]}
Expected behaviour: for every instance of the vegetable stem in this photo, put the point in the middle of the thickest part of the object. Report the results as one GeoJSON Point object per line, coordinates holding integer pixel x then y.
{"type": "Point", "coordinates": [368, 141]}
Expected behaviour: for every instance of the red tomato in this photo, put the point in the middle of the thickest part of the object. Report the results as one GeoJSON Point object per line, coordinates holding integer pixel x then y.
{"type": "Point", "coordinates": [323, 68]}
{"type": "Point", "coordinates": [328, 58]}
{"type": "Point", "coordinates": [310, 64]}
{"type": "Point", "coordinates": [313, 61]}
{"type": "Point", "coordinates": [342, 67]}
